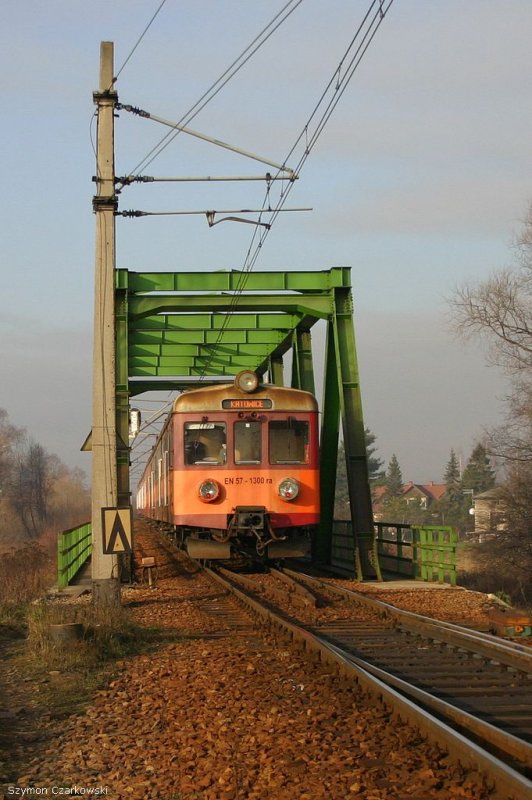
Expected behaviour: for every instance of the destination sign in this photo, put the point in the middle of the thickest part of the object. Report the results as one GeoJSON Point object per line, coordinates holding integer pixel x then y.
{"type": "Point", "coordinates": [241, 404]}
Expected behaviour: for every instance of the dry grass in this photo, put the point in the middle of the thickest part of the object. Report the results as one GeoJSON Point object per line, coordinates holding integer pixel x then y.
{"type": "Point", "coordinates": [107, 634]}
{"type": "Point", "coordinates": [491, 567]}
{"type": "Point", "coordinates": [25, 574]}
{"type": "Point", "coordinates": [63, 675]}
{"type": "Point", "coordinates": [65, 672]}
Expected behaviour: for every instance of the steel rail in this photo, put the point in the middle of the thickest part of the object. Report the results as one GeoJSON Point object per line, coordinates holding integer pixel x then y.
{"type": "Point", "coordinates": [505, 743]}
{"type": "Point", "coordinates": [508, 782]}
{"type": "Point", "coordinates": [287, 586]}
{"type": "Point", "coordinates": [508, 653]}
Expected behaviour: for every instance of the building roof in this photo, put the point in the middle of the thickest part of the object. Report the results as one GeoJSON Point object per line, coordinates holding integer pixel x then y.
{"type": "Point", "coordinates": [432, 491]}
{"type": "Point", "coordinates": [495, 493]}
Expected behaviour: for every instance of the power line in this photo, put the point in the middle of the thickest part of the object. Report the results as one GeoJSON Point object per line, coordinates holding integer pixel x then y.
{"type": "Point", "coordinates": [220, 82]}
{"type": "Point", "coordinates": [368, 28]}
{"type": "Point", "coordinates": [141, 37]}
{"type": "Point", "coordinates": [327, 103]}
{"type": "Point", "coordinates": [337, 84]}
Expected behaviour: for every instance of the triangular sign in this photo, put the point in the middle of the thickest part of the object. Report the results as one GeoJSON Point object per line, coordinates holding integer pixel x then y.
{"type": "Point", "coordinates": [116, 529]}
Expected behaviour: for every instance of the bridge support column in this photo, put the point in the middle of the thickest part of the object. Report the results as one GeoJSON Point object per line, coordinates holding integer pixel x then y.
{"type": "Point", "coordinates": [342, 399]}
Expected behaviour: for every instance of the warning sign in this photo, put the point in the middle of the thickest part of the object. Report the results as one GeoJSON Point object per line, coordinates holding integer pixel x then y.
{"type": "Point", "coordinates": [116, 529]}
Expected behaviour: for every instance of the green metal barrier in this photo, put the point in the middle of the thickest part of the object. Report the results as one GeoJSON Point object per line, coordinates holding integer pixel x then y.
{"type": "Point", "coordinates": [435, 552]}
{"type": "Point", "coordinates": [343, 550]}
{"type": "Point", "coordinates": [394, 547]}
{"type": "Point", "coordinates": [74, 547]}
{"type": "Point", "coordinates": [421, 552]}
{"type": "Point", "coordinates": [343, 545]}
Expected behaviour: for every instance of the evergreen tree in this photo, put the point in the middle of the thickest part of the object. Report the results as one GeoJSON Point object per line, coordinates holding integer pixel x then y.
{"type": "Point", "coordinates": [394, 479]}
{"type": "Point", "coordinates": [374, 471]}
{"type": "Point", "coordinates": [454, 505]}
{"type": "Point", "coordinates": [375, 464]}
{"type": "Point", "coordinates": [478, 474]}
{"type": "Point", "coordinates": [451, 478]}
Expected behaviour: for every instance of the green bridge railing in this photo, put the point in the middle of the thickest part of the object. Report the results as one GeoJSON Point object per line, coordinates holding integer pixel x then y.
{"type": "Point", "coordinates": [74, 547]}
{"type": "Point", "coordinates": [421, 552]}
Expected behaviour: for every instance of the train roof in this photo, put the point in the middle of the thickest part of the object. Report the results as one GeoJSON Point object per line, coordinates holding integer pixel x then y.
{"type": "Point", "coordinates": [210, 398]}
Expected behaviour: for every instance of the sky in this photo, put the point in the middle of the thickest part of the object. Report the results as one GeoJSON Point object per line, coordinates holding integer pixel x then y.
{"type": "Point", "coordinates": [419, 182]}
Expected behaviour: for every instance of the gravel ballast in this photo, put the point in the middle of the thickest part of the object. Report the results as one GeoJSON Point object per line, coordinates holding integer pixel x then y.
{"type": "Point", "coordinates": [222, 713]}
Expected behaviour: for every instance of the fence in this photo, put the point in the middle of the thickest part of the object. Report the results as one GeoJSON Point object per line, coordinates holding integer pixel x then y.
{"type": "Point", "coordinates": [74, 547]}
{"type": "Point", "coordinates": [395, 548]}
{"type": "Point", "coordinates": [420, 552]}
{"type": "Point", "coordinates": [435, 552]}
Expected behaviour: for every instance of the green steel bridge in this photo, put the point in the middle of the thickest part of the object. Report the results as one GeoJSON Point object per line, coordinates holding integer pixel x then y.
{"type": "Point", "coordinates": [176, 329]}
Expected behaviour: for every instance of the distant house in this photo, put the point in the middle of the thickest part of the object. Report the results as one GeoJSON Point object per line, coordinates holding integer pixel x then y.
{"type": "Point", "coordinates": [421, 494]}
{"type": "Point", "coordinates": [424, 493]}
{"type": "Point", "coordinates": [490, 511]}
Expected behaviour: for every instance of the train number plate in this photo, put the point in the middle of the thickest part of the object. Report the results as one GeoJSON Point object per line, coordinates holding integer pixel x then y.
{"type": "Point", "coordinates": [251, 480]}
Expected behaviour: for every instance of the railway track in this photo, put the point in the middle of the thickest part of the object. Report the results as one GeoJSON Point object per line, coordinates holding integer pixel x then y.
{"type": "Point", "coordinates": [463, 689]}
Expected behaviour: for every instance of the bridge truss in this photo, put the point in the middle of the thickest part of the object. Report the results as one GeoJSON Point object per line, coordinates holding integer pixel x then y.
{"type": "Point", "coordinates": [175, 329]}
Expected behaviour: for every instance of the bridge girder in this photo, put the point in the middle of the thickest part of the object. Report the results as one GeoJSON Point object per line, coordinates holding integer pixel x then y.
{"type": "Point", "coordinates": [173, 329]}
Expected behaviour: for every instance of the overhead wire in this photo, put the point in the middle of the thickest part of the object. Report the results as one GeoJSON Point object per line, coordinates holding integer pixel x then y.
{"type": "Point", "coordinates": [140, 439]}
{"type": "Point", "coordinates": [380, 9]}
{"type": "Point", "coordinates": [139, 40]}
{"type": "Point", "coordinates": [260, 39]}
{"type": "Point", "coordinates": [340, 79]}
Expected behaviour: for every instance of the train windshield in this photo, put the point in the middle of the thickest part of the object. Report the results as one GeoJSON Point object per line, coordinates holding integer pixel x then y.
{"type": "Point", "coordinates": [289, 440]}
{"type": "Point", "coordinates": [248, 442]}
{"type": "Point", "coordinates": [205, 442]}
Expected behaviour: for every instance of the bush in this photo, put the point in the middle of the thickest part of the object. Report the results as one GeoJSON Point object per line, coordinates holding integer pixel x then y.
{"type": "Point", "coordinates": [24, 574]}
{"type": "Point", "coordinates": [490, 568]}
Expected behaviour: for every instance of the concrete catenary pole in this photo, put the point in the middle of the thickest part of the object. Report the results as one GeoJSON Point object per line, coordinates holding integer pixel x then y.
{"type": "Point", "coordinates": [105, 581]}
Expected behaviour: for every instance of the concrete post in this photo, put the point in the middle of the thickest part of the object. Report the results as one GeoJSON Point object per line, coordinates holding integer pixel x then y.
{"type": "Point", "coordinates": [106, 584]}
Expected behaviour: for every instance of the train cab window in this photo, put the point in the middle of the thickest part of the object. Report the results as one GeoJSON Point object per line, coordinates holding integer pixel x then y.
{"type": "Point", "coordinates": [247, 442]}
{"type": "Point", "coordinates": [289, 441]}
{"type": "Point", "coordinates": [205, 443]}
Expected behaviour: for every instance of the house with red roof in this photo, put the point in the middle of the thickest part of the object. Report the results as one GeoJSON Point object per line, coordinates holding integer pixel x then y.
{"type": "Point", "coordinates": [421, 494]}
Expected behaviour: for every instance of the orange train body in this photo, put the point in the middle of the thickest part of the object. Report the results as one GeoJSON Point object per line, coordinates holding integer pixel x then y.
{"type": "Point", "coordinates": [237, 470]}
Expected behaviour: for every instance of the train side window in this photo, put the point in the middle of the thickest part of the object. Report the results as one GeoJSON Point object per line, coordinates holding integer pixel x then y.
{"type": "Point", "coordinates": [247, 442]}
{"type": "Point", "coordinates": [289, 440]}
{"type": "Point", "coordinates": [165, 478]}
{"type": "Point", "coordinates": [159, 481]}
{"type": "Point", "coordinates": [205, 442]}
{"type": "Point", "coordinates": [152, 492]}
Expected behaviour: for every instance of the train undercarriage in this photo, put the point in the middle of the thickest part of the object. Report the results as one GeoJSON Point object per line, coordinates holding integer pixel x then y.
{"type": "Point", "coordinates": [249, 532]}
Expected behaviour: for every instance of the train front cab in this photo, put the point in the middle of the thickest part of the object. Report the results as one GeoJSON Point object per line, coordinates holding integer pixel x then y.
{"type": "Point", "coordinates": [245, 471]}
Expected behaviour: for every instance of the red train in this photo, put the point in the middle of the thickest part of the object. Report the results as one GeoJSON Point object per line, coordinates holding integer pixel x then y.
{"type": "Point", "coordinates": [236, 469]}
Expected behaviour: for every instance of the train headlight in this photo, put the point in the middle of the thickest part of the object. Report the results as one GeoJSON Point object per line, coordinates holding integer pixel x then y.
{"type": "Point", "coordinates": [208, 491]}
{"type": "Point", "coordinates": [247, 381]}
{"type": "Point", "coordinates": [289, 489]}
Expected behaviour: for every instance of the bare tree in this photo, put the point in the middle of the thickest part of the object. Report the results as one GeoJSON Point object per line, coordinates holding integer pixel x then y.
{"type": "Point", "coordinates": [10, 438]}
{"type": "Point", "coordinates": [28, 488]}
{"type": "Point", "coordinates": [499, 310]}
{"type": "Point", "coordinates": [38, 493]}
